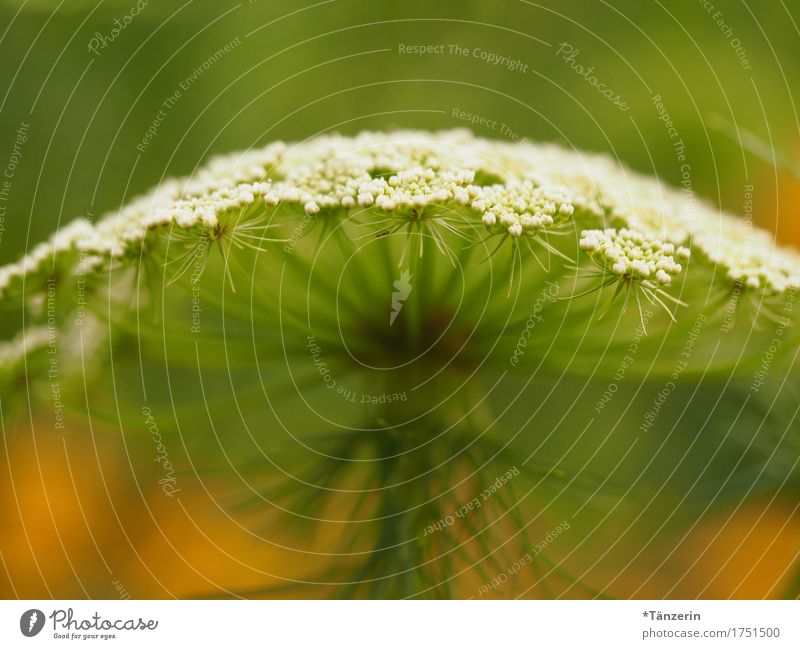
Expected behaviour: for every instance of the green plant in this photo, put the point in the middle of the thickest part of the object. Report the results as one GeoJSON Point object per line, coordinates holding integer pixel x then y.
{"type": "Point", "coordinates": [366, 334]}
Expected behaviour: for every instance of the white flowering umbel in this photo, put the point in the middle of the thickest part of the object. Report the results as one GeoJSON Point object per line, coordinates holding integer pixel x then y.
{"type": "Point", "coordinates": [448, 188]}
{"type": "Point", "coordinates": [509, 188]}
{"type": "Point", "coordinates": [258, 301]}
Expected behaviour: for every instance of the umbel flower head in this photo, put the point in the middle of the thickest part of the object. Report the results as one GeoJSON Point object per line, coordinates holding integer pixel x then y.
{"type": "Point", "coordinates": [633, 225]}
{"type": "Point", "coordinates": [449, 191]}
{"type": "Point", "coordinates": [423, 299]}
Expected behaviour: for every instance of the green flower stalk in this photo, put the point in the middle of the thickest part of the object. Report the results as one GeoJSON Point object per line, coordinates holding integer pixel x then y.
{"type": "Point", "coordinates": [369, 334]}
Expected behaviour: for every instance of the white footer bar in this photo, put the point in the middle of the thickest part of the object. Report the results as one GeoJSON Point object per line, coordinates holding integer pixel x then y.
{"type": "Point", "coordinates": [385, 625]}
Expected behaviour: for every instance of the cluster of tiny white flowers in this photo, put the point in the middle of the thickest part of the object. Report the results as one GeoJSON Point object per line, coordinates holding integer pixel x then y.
{"type": "Point", "coordinates": [521, 206]}
{"type": "Point", "coordinates": [339, 183]}
{"type": "Point", "coordinates": [114, 235]}
{"type": "Point", "coordinates": [605, 188]}
{"type": "Point", "coordinates": [418, 187]}
{"type": "Point", "coordinates": [522, 189]}
{"type": "Point", "coordinates": [62, 242]}
{"type": "Point", "coordinates": [409, 171]}
{"type": "Point", "coordinates": [750, 257]}
{"type": "Point", "coordinates": [631, 254]}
